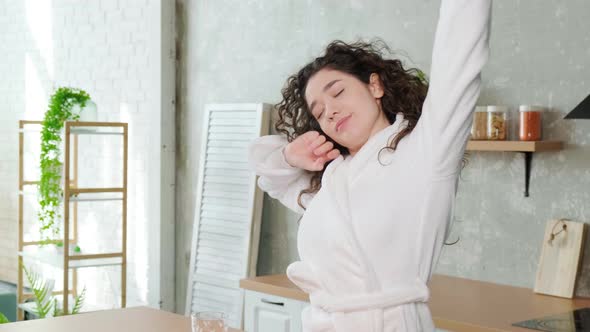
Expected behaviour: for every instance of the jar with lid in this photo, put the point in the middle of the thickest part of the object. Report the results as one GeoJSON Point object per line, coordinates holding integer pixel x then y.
{"type": "Point", "coordinates": [479, 128]}
{"type": "Point", "coordinates": [497, 122]}
{"type": "Point", "coordinates": [530, 122]}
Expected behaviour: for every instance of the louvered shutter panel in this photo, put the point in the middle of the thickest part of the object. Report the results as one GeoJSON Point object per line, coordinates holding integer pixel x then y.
{"type": "Point", "coordinates": [228, 210]}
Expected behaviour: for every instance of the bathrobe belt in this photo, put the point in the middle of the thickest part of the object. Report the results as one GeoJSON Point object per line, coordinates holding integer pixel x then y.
{"type": "Point", "coordinates": [402, 293]}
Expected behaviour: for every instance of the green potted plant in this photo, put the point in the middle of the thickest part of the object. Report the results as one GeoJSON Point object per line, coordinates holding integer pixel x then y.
{"type": "Point", "coordinates": [47, 305]}
{"type": "Point", "coordinates": [66, 104]}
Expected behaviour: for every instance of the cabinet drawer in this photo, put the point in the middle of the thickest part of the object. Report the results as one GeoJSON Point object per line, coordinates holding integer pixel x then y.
{"type": "Point", "coordinates": [271, 313]}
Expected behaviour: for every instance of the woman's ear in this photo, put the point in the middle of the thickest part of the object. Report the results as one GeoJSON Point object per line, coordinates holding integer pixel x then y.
{"type": "Point", "coordinates": [375, 85]}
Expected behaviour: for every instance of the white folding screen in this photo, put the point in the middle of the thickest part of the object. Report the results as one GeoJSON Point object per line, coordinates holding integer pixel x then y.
{"type": "Point", "coordinates": [228, 210]}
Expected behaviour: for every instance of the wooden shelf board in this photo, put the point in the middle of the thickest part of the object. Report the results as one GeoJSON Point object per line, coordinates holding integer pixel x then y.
{"type": "Point", "coordinates": [56, 259]}
{"type": "Point", "coordinates": [95, 190]}
{"type": "Point", "coordinates": [95, 124]}
{"type": "Point", "coordinates": [516, 146]}
{"type": "Point", "coordinates": [85, 131]}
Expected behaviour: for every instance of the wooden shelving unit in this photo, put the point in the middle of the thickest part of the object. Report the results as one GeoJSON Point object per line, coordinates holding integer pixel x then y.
{"type": "Point", "coordinates": [73, 195]}
{"type": "Point", "coordinates": [525, 147]}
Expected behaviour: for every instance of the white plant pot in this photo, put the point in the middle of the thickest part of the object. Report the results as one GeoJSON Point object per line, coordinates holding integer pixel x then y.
{"type": "Point", "coordinates": [88, 113]}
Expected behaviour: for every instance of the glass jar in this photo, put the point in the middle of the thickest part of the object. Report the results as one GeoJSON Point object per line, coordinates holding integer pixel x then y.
{"type": "Point", "coordinates": [530, 123]}
{"type": "Point", "coordinates": [497, 122]}
{"type": "Point", "coordinates": [479, 128]}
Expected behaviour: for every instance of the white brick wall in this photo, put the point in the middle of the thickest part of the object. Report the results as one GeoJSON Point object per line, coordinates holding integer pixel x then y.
{"type": "Point", "coordinates": [103, 47]}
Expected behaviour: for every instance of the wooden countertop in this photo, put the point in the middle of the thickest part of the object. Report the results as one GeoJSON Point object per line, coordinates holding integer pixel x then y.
{"type": "Point", "coordinates": [139, 319]}
{"type": "Point", "coordinates": [275, 284]}
{"type": "Point", "coordinates": [457, 304]}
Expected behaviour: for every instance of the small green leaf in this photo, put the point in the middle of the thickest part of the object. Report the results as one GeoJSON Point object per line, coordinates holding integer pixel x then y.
{"type": "Point", "coordinates": [56, 311]}
{"type": "Point", "coordinates": [79, 301]}
{"type": "Point", "coordinates": [38, 286]}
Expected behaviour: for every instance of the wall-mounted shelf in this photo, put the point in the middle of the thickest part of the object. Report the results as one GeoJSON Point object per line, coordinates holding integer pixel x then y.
{"type": "Point", "coordinates": [515, 146]}
{"type": "Point", "coordinates": [525, 147]}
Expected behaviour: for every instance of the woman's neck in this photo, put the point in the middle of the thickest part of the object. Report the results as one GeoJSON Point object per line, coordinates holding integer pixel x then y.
{"type": "Point", "coordinates": [381, 123]}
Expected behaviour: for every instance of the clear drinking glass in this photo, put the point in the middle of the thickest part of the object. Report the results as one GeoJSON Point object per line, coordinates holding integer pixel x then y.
{"type": "Point", "coordinates": [208, 321]}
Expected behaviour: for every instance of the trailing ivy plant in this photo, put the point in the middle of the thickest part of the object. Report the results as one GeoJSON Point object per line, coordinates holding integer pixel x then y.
{"type": "Point", "coordinates": [50, 190]}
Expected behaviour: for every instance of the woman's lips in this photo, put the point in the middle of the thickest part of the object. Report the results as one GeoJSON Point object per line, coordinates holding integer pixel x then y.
{"type": "Point", "coordinates": [342, 122]}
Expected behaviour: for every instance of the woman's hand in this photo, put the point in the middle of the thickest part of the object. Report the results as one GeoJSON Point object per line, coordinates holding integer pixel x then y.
{"type": "Point", "coordinates": [310, 151]}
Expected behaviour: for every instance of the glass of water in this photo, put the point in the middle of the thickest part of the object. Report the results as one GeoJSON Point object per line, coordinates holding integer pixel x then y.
{"type": "Point", "coordinates": [208, 321]}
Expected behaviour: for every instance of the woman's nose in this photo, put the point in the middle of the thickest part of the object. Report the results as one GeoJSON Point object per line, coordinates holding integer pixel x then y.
{"type": "Point", "coordinates": [331, 111]}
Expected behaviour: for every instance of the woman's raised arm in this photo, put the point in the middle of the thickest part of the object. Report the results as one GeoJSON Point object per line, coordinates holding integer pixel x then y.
{"type": "Point", "coordinates": [461, 49]}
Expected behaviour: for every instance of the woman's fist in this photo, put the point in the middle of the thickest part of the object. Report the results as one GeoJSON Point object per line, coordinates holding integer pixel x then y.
{"type": "Point", "coordinates": [310, 151]}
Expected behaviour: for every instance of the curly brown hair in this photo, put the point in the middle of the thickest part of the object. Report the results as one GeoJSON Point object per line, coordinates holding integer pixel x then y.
{"type": "Point", "coordinates": [404, 91]}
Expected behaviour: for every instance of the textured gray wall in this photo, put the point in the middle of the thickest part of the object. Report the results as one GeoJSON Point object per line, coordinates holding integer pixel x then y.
{"type": "Point", "coordinates": [243, 51]}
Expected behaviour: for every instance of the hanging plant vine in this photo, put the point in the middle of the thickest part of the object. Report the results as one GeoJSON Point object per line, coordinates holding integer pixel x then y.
{"type": "Point", "coordinates": [50, 189]}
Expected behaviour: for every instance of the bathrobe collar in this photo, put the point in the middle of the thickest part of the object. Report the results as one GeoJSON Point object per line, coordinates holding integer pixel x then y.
{"type": "Point", "coordinates": [370, 150]}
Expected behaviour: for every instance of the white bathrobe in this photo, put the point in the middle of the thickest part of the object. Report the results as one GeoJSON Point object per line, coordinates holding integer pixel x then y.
{"type": "Point", "coordinates": [370, 238]}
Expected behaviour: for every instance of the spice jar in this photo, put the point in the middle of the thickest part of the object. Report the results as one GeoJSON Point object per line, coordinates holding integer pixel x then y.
{"type": "Point", "coordinates": [479, 128]}
{"type": "Point", "coordinates": [530, 122]}
{"type": "Point", "coordinates": [497, 122]}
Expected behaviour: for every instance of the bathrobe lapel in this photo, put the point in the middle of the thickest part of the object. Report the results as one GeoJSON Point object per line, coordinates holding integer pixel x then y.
{"type": "Point", "coordinates": [339, 179]}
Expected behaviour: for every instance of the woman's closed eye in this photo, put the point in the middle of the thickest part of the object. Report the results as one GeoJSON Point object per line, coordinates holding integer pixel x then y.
{"type": "Point", "coordinates": [322, 111]}
{"type": "Point", "coordinates": [320, 115]}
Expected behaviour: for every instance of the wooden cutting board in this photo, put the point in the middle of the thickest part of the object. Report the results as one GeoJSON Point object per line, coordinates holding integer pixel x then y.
{"type": "Point", "coordinates": [560, 258]}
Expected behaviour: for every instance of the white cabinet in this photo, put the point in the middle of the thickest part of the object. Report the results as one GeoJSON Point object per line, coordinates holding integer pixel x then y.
{"type": "Point", "coordinates": [269, 313]}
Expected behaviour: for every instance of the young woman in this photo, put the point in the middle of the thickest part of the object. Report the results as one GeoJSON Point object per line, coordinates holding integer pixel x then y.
{"type": "Point", "coordinates": [371, 156]}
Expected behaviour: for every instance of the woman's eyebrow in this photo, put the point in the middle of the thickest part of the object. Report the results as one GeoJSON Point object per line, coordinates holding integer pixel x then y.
{"type": "Point", "coordinates": [330, 85]}
{"type": "Point", "coordinates": [326, 87]}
